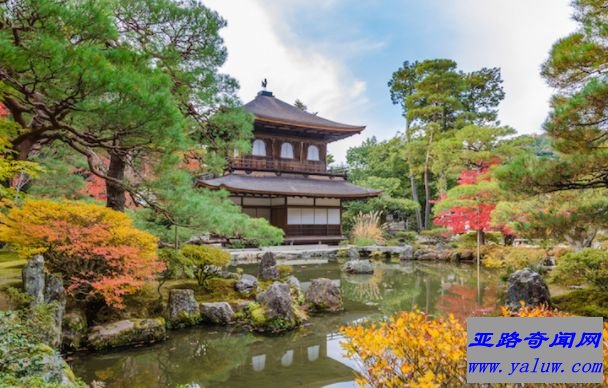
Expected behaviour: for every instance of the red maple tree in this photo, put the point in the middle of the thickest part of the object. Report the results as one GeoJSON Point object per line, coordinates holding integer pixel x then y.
{"type": "Point", "coordinates": [469, 205]}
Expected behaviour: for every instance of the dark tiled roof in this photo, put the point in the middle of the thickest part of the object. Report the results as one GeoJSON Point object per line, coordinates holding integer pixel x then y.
{"type": "Point", "coordinates": [266, 107]}
{"type": "Point", "coordinates": [283, 185]}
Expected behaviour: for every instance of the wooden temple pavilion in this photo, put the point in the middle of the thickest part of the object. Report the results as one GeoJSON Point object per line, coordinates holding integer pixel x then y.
{"type": "Point", "coordinates": [285, 178]}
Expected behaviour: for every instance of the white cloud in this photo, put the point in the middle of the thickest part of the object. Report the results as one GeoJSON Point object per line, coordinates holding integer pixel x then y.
{"type": "Point", "coordinates": [257, 50]}
{"type": "Point", "coordinates": [260, 47]}
{"type": "Point", "coordinates": [515, 35]}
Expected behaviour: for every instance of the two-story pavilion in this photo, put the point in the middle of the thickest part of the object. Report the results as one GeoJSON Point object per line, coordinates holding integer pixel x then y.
{"type": "Point", "coordinates": [285, 178]}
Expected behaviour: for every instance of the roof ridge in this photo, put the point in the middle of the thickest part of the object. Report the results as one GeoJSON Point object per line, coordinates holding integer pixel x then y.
{"type": "Point", "coordinates": [267, 107]}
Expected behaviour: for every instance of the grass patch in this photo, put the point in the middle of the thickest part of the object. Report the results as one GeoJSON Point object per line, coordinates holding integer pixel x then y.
{"type": "Point", "coordinates": [587, 302]}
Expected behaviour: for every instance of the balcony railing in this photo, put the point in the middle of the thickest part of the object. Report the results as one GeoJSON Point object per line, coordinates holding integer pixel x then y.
{"type": "Point", "coordinates": [268, 164]}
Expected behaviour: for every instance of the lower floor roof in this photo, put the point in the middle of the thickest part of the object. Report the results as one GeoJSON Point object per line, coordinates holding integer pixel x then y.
{"type": "Point", "coordinates": [302, 186]}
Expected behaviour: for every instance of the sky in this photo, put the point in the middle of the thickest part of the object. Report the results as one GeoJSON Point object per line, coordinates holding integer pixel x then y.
{"type": "Point", "coordinates": [337, 56]}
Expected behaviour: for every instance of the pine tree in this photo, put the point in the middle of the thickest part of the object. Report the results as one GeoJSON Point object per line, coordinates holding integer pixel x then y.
{"type": "Point", "coordinates": [577, 68]}
{"type": "Point", "coordinates": [437, 99]}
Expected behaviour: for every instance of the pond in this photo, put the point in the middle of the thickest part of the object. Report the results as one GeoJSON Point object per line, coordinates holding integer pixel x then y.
{"type": "Point", "coordinates": [310, 356]}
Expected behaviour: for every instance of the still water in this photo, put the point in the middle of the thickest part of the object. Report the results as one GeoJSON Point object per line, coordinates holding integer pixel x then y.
{"type": "Point", "coordinates": [308, 357]}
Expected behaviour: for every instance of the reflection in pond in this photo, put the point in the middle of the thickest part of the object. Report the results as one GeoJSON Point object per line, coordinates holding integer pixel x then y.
{"type": "Point", "coordinates": [309, 356]}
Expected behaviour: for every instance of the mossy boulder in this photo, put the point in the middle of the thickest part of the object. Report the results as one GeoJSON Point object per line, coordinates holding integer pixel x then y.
{"type": "Point", "coordinates": [74, 330]}
{"type": "Point", "coordinates": [55, 369]}
{"type": "Point", "coordinates": [324, 295]}
{"type": "Point", "coordinates": [359, 267]}
{"type": "Point", "coordinates": [217, 313]}
{"type": "Point", "coordinates": [127, 332]}
{"type": "Point", "coordinates": [276, 310]}
{"type": "Point", "coordinates": [246, 284]}
{"type": "Point", "coordinates": [268, 267]}
{"type": "Point", "coordinates": [294, 283]}
{"type": "Point", "coordinates": [183, 310]}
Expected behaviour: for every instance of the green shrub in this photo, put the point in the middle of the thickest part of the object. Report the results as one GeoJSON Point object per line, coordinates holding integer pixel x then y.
{"type": "Point", "coordinates": [512, 259]}
{"type": "Point", "coordinates": [176, 266]}
{"type": "Point", "coordinates": [377, 255]}
{"type": "Point", "coordinates": [205, 261]}
{"type": "Point", "coordinates": [363, 242]}
{"type": "Point", "coordinates": [392, 242]}
{"type": "Point", "coordinates": [408, 237]}
{"type": "Point", "coordinates": [469, 240]}
{"type": "Point", "coordinates": [434, 232]}
{"type": "Point", "coordinates": [284, 270]}
{"type": "Point", "coordinates": [17, 298]}
{"type": "Point", "coordinates": [589, 302]}
{"type": "Point", "coordinates": [588, 266]}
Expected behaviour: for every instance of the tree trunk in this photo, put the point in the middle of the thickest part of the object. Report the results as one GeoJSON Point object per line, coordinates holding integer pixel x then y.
{"type": "Point", "coordinates": [116, 192]}
{"type": "Point", "coordinates": [427, 199]}
{"type": "Point", "coordinates": [24, 148]}
{"type": "Point", "coordinates": [414, 189]}
{"type": "Point", "coordinates": [581, 238]}
{"type": "Point", "coordinates": [479, 238]}
{"type": "Point", "coordinates": [427, 184]}
{"type": "Point", "coordinates": [482, 236]}
{"type": "Point", "coordinates": [413, 186]}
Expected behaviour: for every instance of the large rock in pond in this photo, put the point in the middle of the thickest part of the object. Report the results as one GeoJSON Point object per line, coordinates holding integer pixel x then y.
{"type": "Point", "coordinates": [127, 332]}
{"type": "Point", "coordinates": [218, 313]}
{"type": "Point", "coordinates": [275, 310]}
{"type": "Point", "coordinates": [324, 295]}
{"type": "Point", "coordinates": [407, 253]}
{"type": "Point", "coordinates": [277, 301]}
{"type": "Point", "coordinates": [183, 309]}
{"type": "Point", "coordinates": [246, 284]}
{"type": "Point", "coordinates": [268, 267]}
{"type": "Point", "coordinates": [74, 330]}
{"type": "Point", "coordinates": [527, 286]}
{"type": "Point", "coordinates": [359, 267]}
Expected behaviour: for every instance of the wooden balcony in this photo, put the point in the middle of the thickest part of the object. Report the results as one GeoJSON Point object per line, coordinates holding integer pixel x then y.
{"type": "Point", "coordinates": [256, 163]}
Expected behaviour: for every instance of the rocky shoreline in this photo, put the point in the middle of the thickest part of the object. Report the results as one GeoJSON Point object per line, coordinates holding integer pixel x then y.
{"type": "Point", "coordinates": [320, 254]}
{"type": "Point", "coordinates": [271, 302]}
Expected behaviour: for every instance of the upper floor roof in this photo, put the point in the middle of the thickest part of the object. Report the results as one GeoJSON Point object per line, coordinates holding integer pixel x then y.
{"type": "Point", "coordinates": [274, 113]}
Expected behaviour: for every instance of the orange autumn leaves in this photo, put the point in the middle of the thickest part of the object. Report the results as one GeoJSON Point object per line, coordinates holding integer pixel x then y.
{"type": "Point", "coordinates": [98, 251]}
{"type": "Point", "coordinates": [415, 350]}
